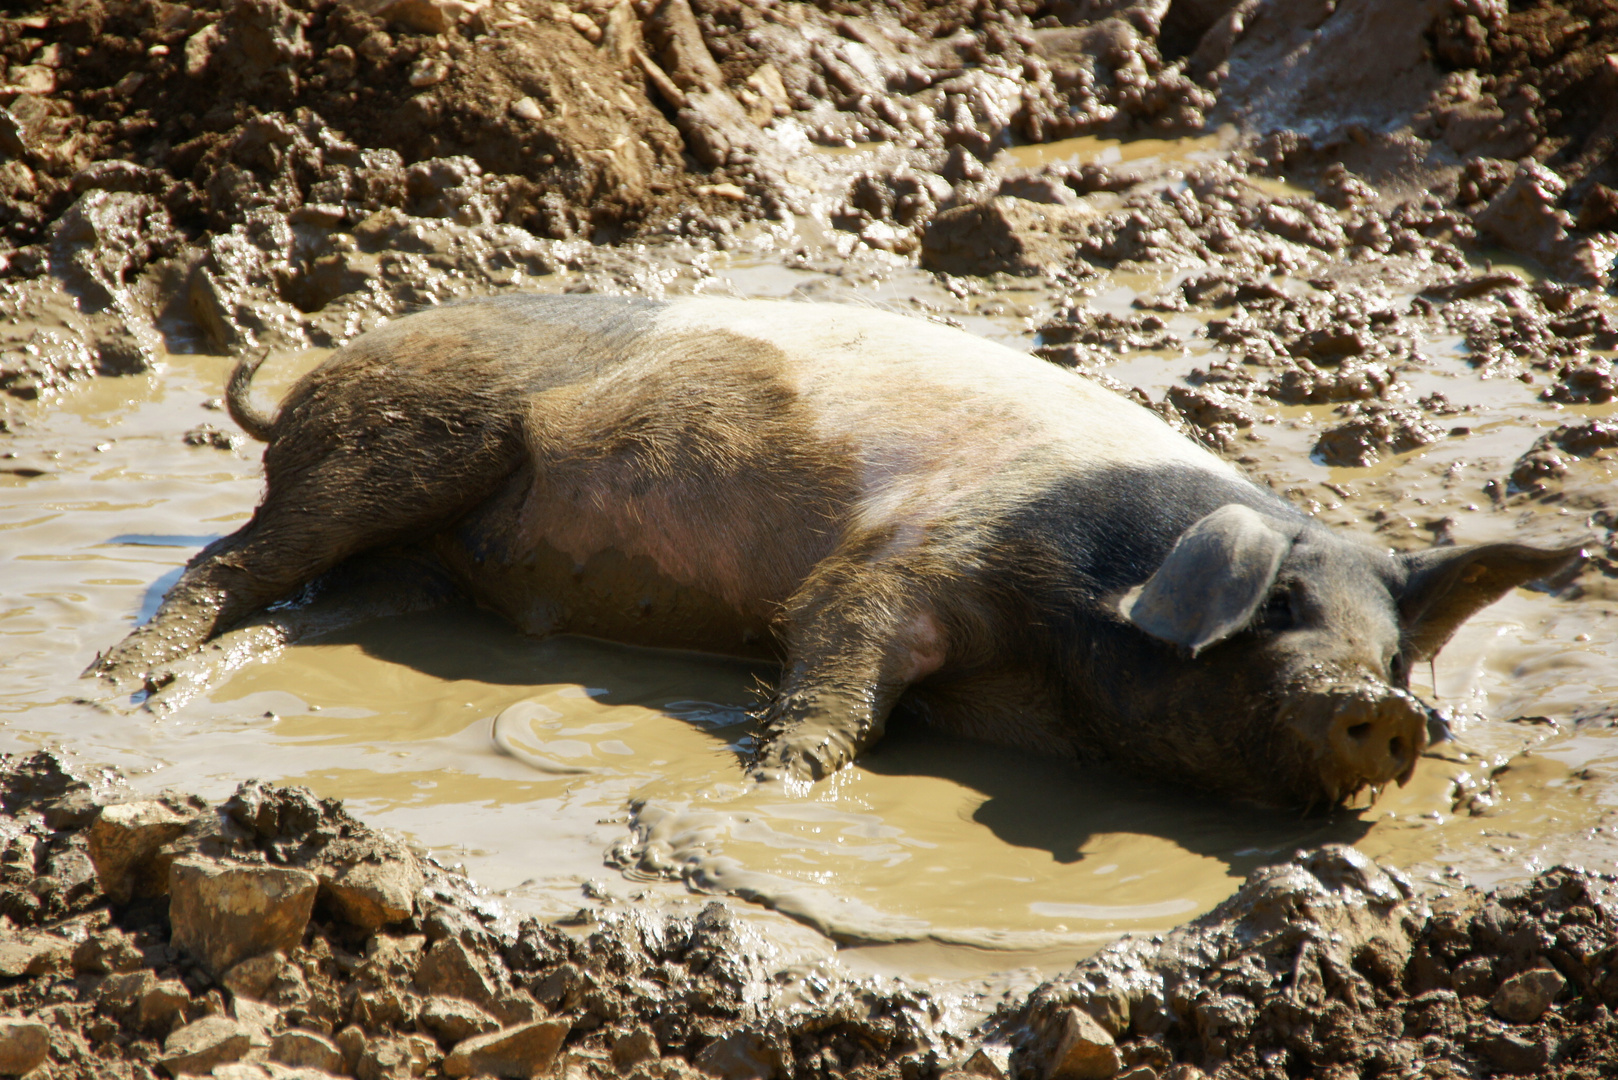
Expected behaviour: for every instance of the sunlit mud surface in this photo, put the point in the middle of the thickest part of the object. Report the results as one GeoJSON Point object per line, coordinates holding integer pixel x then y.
{"type": "Point", "coordinates": [929, 857]}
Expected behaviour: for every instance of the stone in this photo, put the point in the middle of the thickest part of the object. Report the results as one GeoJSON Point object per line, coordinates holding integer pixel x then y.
{"type": "Point", "coordinates": [517, 1053]}
{"type": "Point", "coordinates": [243, 1070]}
{"type": "Point", "coordinates": [20, 123]}
{"type": "Point", "coordinates": [371, 895]}
{"type": "Point", "coordinates": [258, 1018]}
{"type": "Point", "coordinates": [991, 1061]}
{"type": "Point", "coordinates": [125, 836]}
{"type": "Point", "coordinates": [23, 1044]}
{"type": "Point", "coordinates": [741, 1055]}
{"type": "Point", "coordinates": [252, 977]}
{"type": "Point", "coordinates": [632, 1049]}
{"type": "Point", "coordinates": [450, 969]}
{"type": "Point", "coordinates": [454, 1019]}
{"type": "Point", "coordinates": [74, 810]}
{"type": "Point", "coordinates": [223, 913]}
{"type": "Point", "coordinates": [676, 39]}
{"type": "Point", "coordinates": [111, 950]}
{"type": "Point", "coordinates": [32, 954]}
{"type": "Point", "coordinates": [304, 1049]}
{"type": "Point", "coordinates": [122, 993]}
{"type": "Point", "coordinates": [160, 1006]}
{"type": "Point", "coordinates": [1083, 1050]}
{"type": "Point", "coordinates": [199, 1046]}
{"type": "Point", "coordinates": [351, 1043]}
{"type": "Point", "coordinates": [517, 1007]}
{"type": "Point", "coordinates": [1511, 1052]}
{"type": "Point", "coordinates": [1523, 998]}
{"type": "Point", "coordinates": [1004, 234]}
{"type": "Point", "coordinates": [389, 1059]}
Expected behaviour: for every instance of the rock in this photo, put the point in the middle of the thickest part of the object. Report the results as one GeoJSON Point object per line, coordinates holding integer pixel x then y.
{"type": "Point", "coordinates": [1083, 1050]}
{"type": "Point", "coordinates": [124, 837]}
{"type": "Point", "coordinates": [517, 1007]}
{"type": "Point", "coordinates": [632, 1049]}
{"type": "Point", "coordinates": [371, 895]}
{"type": "Point", "coordinates": [74, 810]}
{"type": "Point", "coordinates": [223, 912]}
{"type": "Point", "coordinates": [247, 1070]}
{"type": "Point", "coordinates": [715, 126]}
{"type": "Point", "coordinates": [741, 1055]}
{"type": "Point", "coordinates": [35, 780]}
{"type": "Point", "coordinates": [198, 1047]}
{"type": "Point", "coordinates": [122, 993]}
{"type": "Point", "coordinates": [258, 1018]}
{"type": "Point", "coordinates": [23, 1044]}
{"type": "Point", "coordinates": [518, 1053]}
{"type": "Point", "coordinates": [1002, 234]}
{"type": "Point", "coordinates": [305, 1049]}
{"type": "Point", "coordinates": [252, 977]}
{"type": "Point", "coordinates": [32, 954]}
{"type": "Point", "coordinates": [422, 16]}
{"type": "Point", "coordinates": [450, 969]}
{"type": "Point", "coordinates": [1510, 1052]}
{"type": "Point", "coordinates": [110, 950]}
{"type": "Point", "coordinates": [160, 1006]}
{"type": "Point", "coordinates": [20, 123]}
{"type": "Point", "coordinates": [454, 1019]}
{"type": "Point", "coordinates": [398, 1059]}
{"type": "Point", "coordinates": [1525, 217]}
{"type": "Point", "coordinates": [676, 42]}
{"type": "Point", "coordinates": [351, 1043]}
{"type": "Point", "coordinates": [1523, 998]}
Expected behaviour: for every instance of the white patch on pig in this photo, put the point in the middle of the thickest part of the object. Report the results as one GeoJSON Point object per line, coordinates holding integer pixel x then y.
{"type": "Point", "coordinates": [938, 416]}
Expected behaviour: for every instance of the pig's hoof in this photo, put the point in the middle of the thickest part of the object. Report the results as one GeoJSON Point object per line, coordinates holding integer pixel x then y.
{"type": "Point", "coordinates": [802, 756]}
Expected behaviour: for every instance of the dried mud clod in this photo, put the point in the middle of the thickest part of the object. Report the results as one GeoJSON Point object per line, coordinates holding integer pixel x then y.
{"type": "Point", "coordinates": [273, 935]}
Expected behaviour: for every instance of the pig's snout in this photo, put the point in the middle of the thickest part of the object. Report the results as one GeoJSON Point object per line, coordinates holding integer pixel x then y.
{"type": "Point", "coordinates": [1370, 735]}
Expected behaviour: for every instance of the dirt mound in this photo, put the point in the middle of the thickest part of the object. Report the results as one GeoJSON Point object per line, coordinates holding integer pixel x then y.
{"type": "Point", "coordinates": [1546, 87]}
{"type": "Point", "coordinates": [1329, 966]}
{"type": "Point", "coordinates": [273, 935]}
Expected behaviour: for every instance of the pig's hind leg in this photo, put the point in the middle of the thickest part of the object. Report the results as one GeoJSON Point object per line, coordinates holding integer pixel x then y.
{"type": "Point", "coordinates": [330, 493]}
{"type": "Point", "coordinates": [856, 638]}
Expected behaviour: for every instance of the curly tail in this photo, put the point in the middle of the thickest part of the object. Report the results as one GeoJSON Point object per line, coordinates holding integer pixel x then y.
{"type": "Point", "coordinates": [255, 423]}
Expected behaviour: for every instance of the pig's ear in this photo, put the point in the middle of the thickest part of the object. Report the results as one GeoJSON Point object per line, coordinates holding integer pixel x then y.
{"type": "Point", "coordinates": [1214, 578]}
{"type": "Point", "coordinates": [1447, 586]}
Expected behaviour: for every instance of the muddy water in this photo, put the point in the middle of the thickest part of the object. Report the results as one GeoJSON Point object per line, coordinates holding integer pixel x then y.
{"type": "Point", "coordinates": [542, 765]}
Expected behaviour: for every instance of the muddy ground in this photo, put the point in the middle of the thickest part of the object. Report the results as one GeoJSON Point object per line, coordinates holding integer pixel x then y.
{"type": "Point", "coordinates": [273, 935]}
{"type": "Point", "coordinates": [1365, 178]}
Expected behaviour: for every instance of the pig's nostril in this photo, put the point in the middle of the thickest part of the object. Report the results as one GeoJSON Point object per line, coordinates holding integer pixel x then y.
{"type": "Point", "coordinates": [1359, 732]}
{"type": "Point", "coordinates": [1396, 748]}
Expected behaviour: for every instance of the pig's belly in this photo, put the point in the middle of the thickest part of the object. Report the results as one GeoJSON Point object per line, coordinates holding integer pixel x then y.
{"type": "Point", "coordinates": [609, 595]}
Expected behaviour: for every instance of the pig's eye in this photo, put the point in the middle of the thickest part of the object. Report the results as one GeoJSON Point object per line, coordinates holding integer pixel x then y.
{"type": "Point", "coordinates": [1276, 614]}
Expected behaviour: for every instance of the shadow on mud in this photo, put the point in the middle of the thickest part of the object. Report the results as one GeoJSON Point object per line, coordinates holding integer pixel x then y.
{"type": "Point", "coordinates": [1030, 802]}
{"type": "Point", "coordinates": [1057, 806]}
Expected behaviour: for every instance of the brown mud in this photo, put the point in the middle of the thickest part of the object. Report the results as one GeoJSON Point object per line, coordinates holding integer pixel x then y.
{"type": "Point", "coordinates": [1363, 248]}
{"type": "Point", "coordinates": [273, 935]}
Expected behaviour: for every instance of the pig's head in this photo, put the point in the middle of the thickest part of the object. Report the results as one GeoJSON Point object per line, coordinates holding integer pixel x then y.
{"type": "Point", "coordinates": [1294, 647]}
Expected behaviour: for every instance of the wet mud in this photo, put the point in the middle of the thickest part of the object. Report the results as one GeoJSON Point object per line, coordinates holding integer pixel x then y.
{"type": "Point", "coordinates": [1365, 250]}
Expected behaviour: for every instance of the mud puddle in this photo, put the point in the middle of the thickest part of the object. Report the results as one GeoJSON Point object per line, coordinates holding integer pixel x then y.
{"type": "Point", "coordinates": [929, 858]}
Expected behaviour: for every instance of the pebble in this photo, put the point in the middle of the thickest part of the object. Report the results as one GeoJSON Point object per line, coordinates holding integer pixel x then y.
{"type": "Point", "coordinates": [521, 1052]}
{"type": "Point", "coordinates": [23, 1044]}
{"type": "Point", "coordinates": [1523, 998]}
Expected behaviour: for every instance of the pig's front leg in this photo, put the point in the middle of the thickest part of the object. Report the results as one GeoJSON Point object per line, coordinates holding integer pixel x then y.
{"type": "Point", "coordinates": [855, 638]}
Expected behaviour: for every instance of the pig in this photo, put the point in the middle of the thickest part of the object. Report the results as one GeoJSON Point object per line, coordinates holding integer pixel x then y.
{"type": "Point", "coordinates": [899, 513]}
